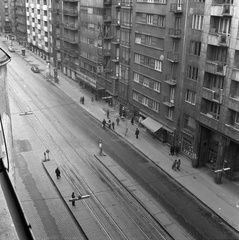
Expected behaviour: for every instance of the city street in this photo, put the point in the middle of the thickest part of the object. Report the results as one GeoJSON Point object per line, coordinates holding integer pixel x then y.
{"type": "Point", "coordinates": [43, 117]}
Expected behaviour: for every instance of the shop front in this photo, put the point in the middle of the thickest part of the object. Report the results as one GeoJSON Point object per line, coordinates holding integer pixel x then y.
{"type": "Point", "coordinates": [90, 84]}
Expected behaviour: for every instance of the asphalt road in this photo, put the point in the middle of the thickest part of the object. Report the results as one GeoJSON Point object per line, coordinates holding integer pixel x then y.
{"type": "Point", "coordinates": [62, 119]}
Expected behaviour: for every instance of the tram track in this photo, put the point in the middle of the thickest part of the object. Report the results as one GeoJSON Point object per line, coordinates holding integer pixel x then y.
{"type": "Point", "coordinates": [67, 169]}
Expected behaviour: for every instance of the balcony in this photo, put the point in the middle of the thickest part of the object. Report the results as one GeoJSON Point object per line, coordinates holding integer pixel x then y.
{"type": "Point", "coordinates": [126, 3]}
{"type": "Point", "coordinates": [73, 40]}
{"type": "Point", "coordinates": [115, 59]}
{"type": "Point", "coordinates": [71, 52]}
{"type": "Point", "coordinates": [70, 1]}
{"type": "Point", "coordinates": [168, 101]}
{"type": "Point", "coordinates": [107, 2]}
{"type": "Point", "coordinates": [218, 39]}
{"type": "Point", "coordinates": [116, 22]}
{"type": "Point", "coordinates": [216, 67]}
{"type": "Point", "coordinates": [70, 12]}
{"type": "Point", "coordinates": [118, 4]}
{"type": "Point", "coordinates": [176, 8]}
{"type": "Point", "coordinates": [174, 33]}
{"type": "Point", "coordinates": [235, 74]}
{"type": "Point", "coordinates": [71, 26]}
{"type": "Point", "coordinates": [222, 10]}
{"type": "Point", "coordinates": [233, 103]}
{"type": "Point", "coordinates": [211, 95]}
{"type": "Point", "coordinates": [171, 80]}
{"type": "Point", "coordinates": [115, 41]}
{"type": "Point", "coordinates": [107, 18]}
{"type": "Point", "coordinates": [106, 52]}
{"type": "Point", "coordinates": [172, 57]}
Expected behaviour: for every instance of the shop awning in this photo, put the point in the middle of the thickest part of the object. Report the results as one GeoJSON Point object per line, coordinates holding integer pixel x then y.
{"type": "Point", "coordinates": [151, 124]}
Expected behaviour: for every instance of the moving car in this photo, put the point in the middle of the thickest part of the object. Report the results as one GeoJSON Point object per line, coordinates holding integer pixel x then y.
{"type": "Point", "coordinates": [11, 48]}
{"type": "Point", "coordinates": [35, 69]}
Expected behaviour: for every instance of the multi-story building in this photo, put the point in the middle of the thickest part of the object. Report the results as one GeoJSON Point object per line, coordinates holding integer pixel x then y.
{"type": "Point", "coordinates": [6, 16]}
{"type": "Point", "coordinates": [20, 22]}
{"type": "Point", "coordinates": [39, 28]}
{"type": "Point", "coordinates": [217, 105]}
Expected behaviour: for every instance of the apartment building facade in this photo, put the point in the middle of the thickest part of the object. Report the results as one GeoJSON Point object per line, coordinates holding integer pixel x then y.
{"type": "Point", "coordinates": [39, 27]}
{"type": "Point", "coordinates": [6, 16]}
{"type": "Point", "coordinates": [20, 22]}
{"type": "Point", "coordinates": [217, 105]}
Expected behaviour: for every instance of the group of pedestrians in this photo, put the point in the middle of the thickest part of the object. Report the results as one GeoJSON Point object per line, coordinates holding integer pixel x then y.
{"type": "Point", "coordinates": [174, 150]}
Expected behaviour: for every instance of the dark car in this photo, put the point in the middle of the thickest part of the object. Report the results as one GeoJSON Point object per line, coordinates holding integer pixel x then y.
{"type": "Point", "coordinates": [35, 69]}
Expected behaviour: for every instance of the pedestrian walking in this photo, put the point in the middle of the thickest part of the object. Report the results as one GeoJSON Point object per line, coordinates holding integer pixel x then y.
{"type": "Point", "coordinates": [103, 123]}
{"type": "Point", "coordinates": [171, 150]}
{"type": "Point", "coordinates": [137, 133]}
{"type": "Point", "coordinates": [178, 164]}
{"type": "Point", "coordinates": [92, 100]}
{"type": "Point", "coordinates": [58, 173]}
{"type": "Point", "coordinates": [132, 120]}
{"type": "Point", "coordinates": [117, 121]}
{"type": "Point", "coordinates": [126, 131]}
{"type": "Point", "coordinates": [108, 113]}
{"type": "Point", "coordinates": [109, 123]}
{"type": "Point", "coordinates": [73, 196]}
{"type": "Point", "coordinates": [174, 165]}
{"type": "Point", "coordinates": [101, 147]}
{"type": "Point", "coordinates": [113, 125]}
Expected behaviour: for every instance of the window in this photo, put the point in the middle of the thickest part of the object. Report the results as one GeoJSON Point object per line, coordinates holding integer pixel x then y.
{"type": "Point", "coordinates": [190, 97]}
{"type": "Point", "coordinates": [193, 73]}
{"type": "Point", "coordinates": [199, 1]}
{"type": "Point", "coordinates": [170, 114]}
{"type": "Point", "coordinates": [157, 86]}
{"type": "Point", "coordinates": [215, 110]}
{"type": "Point", "coordinates": [137, 58]}
{"type": "Point", "coordinates": [135, 96]}
{"type": "Point", "coordinates": [161, 21]}
{"type": "Point", "coordinates": [236, 59]}
{"type": "Point", "coordinates": [195, 48]}
{"type": "Point", "coordinates": [224, 25]}
{"type": "Point", "coordinates": [138, 38]}
{"type": "Point", "coordinates": [189, 123]}
{"type": "Point", "coordinates": [158, 65]}
{"type": "Point", "coordinates": [148, 40]}
{"type": "Point", "coordinates": [149, 18]}
{"type": "Point", "coordinates": [197, 22]}
{"type": "Point", "coordinates": [237, 117]}
{"type": "Point", "coordinates": [146, 82]}
{"type": "Point", "coordinates": [45, 13]}
{"type": "Point", "coordinates": [147, 61]}
{"type": "Point", "coordinates": [155, 106]}
{"type": "Point", "coordinates": [136, 77]}
{"type": "Point", "coordinates": [145, 101]}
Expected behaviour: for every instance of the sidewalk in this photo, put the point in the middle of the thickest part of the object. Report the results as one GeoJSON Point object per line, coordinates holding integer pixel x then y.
{"type": "Point", "coordinates": [223, 199]}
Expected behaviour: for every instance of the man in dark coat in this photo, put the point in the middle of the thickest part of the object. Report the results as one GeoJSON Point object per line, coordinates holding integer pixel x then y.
{"type": "Point", "coordinates": [137, 133]}
{"type": "Point", "coordinates": [58, 173]}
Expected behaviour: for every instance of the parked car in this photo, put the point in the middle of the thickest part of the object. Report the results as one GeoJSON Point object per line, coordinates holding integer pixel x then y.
{"type": "Point", "coordinates": [11, 48]}
{"type": "Point", "coordinates": [35, 69]}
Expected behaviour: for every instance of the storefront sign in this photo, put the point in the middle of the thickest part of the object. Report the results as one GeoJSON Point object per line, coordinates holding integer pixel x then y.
{"type": "Point", "coordinates": [86, 79]}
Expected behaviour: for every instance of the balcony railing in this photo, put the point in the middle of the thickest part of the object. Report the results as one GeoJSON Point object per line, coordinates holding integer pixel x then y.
{"type": "Point", "coordinates": [171, 80]}
{"type": "Point", "coordinates": [69, 11]}
{"type": "Point", "coordinates": [71, 40]}
{"type": "Point", "coordinates": [176, 8]}
{"type": "Point", "coordinates": [216, 67]}
{"type": "Point", "coordinates": [174, 33]}
{"type": "Point", "coordinates": [169, 102]}
{"type": "Point", "coordinates": [126, 3]}
{"type": "Point", "coordinates": [107, 18]}
{"type": "Point", "coordinates": [172, 57]}
{"type": "Point", "coordinates": [107, 2]}
{"type": "Point", "coordinates": [71, 26]}
{"type": "Point", "coordinates": [222, 10]}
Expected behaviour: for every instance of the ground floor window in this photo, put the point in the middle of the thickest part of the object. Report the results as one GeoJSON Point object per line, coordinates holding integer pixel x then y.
{"type": "Point", "coordinates": [187, 147]}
